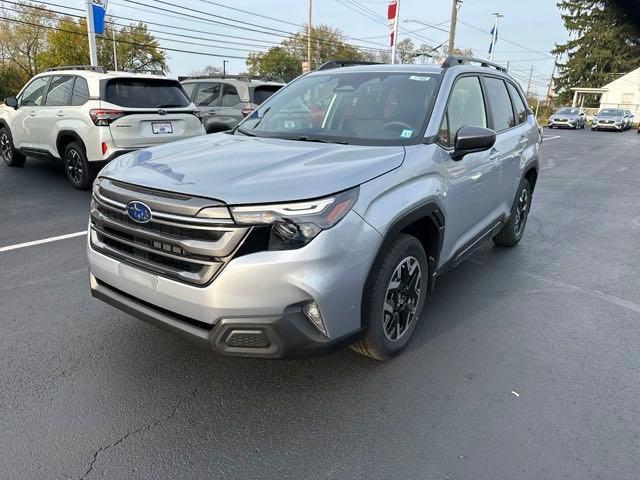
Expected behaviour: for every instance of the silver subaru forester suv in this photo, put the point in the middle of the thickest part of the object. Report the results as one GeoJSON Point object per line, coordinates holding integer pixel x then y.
{"type": "Point", "coordinates": [326, 216]}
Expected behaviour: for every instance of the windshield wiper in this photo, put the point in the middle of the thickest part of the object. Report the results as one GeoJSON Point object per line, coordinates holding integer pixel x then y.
{"type": "Point", "coordinates": [305, 138]}
{"type": "Point", "coordinates": [168, 105]}
{"type": "Point", "coordinates": [245, 132]}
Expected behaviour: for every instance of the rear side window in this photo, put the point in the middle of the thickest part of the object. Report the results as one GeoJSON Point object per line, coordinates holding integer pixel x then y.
{"type": "Point", "coordinates": [33, 94]}
{"type": "Point", "coordinates": [59, 92]}
{"type": "Point", "coordinates": [208, 95]}
{"type": "Point", "coordinates": [260, 94]}
{"type": "Point", "coordinates": [465, 108]}
{"type": "Point", "coordinates": [145, 93]}
{"type": "Point", "coordinates": [500, 102]}
{"type": "Point", "coordinates": [521, 109]}
{"type": "Point", "coordinates": [80, 92]}
{"type": "Point", "coordinates": [230, 96]}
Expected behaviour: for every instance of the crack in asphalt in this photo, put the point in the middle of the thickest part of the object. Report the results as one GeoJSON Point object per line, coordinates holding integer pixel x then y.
{"type": "Point", "coordinates": [144, 428]}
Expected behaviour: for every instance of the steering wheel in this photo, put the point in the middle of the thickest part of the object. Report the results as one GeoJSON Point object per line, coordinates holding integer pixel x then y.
{"type": "Point", "coordinates": [396, 123]}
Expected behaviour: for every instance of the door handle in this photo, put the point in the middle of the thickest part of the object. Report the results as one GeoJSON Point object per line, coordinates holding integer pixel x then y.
{"type": "Point", "coordinates": [60, 114]}
{"type": "Point", "coordinates": [494, 155]}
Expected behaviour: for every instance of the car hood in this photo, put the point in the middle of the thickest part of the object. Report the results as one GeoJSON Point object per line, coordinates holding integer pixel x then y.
{"type": "Point", "coordinates": [243, 170]}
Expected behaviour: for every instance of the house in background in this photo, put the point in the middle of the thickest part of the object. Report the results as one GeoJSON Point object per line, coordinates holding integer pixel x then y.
{"type": "Point", "coordinates": [623, 92]}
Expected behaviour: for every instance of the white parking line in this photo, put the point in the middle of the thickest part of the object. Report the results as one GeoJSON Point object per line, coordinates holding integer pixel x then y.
{"type": "Point", "coordinates": [551, 138]}
{"type": "Point", "coordinates": [40, 242]}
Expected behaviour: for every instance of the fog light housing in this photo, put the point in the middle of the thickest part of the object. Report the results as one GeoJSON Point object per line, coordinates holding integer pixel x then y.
{"type": "Point", "coordinates": [312, 312]}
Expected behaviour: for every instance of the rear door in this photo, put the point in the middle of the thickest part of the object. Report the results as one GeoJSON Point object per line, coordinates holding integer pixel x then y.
{"type": "Point", "coordinates": [148, 111]}
{"type": "Point", "coordinates": [207, 99]}
{"type": "Point", "coordinates": [25, 123]}
{"type": "Point", "coordinates": [54, 111]}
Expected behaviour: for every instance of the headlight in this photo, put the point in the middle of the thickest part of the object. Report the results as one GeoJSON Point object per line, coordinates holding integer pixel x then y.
{"type": "Point", "coordinates": [295, 224]}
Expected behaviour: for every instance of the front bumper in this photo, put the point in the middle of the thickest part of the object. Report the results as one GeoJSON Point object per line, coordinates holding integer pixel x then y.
{"type": "Point", "coordinates": [568, 123]}
{"type": "Point", "coordinates": [607, 126]}
{"type": "Point", "coordinates": [258, 296]}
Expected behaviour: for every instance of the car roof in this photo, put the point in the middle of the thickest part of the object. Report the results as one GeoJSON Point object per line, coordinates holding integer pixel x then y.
{"type": "Point", "coordinates": [386, 68]}
{"type": "Point", "coordinates": [91, 75]}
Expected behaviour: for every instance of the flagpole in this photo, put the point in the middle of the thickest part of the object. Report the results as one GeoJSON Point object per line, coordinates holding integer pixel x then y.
{"type": "Point", "coordinates": [93, 54]}
{"type": "Point", "coordinates": [494, 37]}
{"type": "Point", "coordinates": [395, 32]}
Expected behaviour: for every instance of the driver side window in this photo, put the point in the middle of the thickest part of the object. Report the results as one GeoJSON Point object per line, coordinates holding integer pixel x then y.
{"type": "Point", "coordinates": [465, 108]}
{"type": "Point", "coordinates": [33, 95]}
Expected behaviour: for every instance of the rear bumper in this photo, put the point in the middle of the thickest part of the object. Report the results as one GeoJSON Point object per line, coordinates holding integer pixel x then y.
{"type": "Point", "coordinates": [288, 335]}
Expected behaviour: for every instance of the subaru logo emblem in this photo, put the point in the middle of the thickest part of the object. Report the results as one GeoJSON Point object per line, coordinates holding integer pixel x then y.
{"type": "Point", "coordinates": [138, 212]}
{"type": "Point", "coordinates": [162, 112]}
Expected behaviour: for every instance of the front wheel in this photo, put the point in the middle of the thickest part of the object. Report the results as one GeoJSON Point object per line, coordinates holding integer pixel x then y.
{"type": "Point", "coordinates": [10, 155]}
{"type": "Point", "coordinates": [513, 230]}
{"type": "Point", "coordinates": [394, 298]}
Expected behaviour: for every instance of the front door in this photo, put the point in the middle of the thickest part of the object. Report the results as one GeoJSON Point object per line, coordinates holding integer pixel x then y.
{"type": "Point", "coordinates": [24, 126]}
{"type": "Point", "coordinates": [474, 181]}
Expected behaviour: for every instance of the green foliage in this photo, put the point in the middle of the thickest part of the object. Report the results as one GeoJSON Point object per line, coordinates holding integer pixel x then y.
{"type": "Point", "coordinates": [33, 45]}
{"type": "Point", "coordinates": [603, 42]}
{"type": "Point", "coordinates": [285, 60]}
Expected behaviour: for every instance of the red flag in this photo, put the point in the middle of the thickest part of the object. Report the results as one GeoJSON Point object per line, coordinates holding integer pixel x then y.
{"type": "Point", "coordinates": [392, 11]}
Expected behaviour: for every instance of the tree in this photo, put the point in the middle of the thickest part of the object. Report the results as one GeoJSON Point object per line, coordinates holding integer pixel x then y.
{"type": "Point", "coordinates": [276, 62]}
{"type": "Point", "coordinates": [603, 42]}
{"type": "Point", "coordinates": [24, 40]}
{"type": "Point", "coordinates": [209, 70]}
{"type": "Point", "coordinates": [406, 51]}
{"type": "Point", "coordinates": [285, 60]}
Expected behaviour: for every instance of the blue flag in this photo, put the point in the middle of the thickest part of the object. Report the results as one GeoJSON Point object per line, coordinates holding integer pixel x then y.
{"type": "Point", "coordinates": [494, 38]}
{"type": "Point", "coordinates": [99, 10]}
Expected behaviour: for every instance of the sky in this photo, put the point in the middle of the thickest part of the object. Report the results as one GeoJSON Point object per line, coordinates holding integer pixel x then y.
{"type": "Point", "coordinates": [527, 32]}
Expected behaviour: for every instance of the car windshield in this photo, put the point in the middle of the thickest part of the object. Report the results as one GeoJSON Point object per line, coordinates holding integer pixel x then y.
{"type": "Point", "coordinates": [611, 112]}
{"type": "Point", "coordinates": [365, 108]}
{"type": "Point", "coordinates": [568, 111]}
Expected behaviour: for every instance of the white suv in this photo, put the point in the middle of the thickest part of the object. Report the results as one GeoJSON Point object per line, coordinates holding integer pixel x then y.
{"type": "Point", "coordinates": [86, 116]}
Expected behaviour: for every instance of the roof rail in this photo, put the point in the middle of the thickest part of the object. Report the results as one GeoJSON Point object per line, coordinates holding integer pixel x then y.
{"type": "Point", "coordinates": [248, 78]}
{"type": "Point", "coordinates": [344, 63]}
{"type": "Point", "coordinates": [452, 61]}
{"type": "Point", "coordinates": [92, 68]}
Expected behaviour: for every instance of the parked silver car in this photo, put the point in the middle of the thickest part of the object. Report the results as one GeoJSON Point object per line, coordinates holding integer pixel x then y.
{"type": "Point", "coordinates": [609, 119]}
{"type": "Point", "coordinates": [568, 117]}
{"type": "Point", "coordinates": [325, 217]}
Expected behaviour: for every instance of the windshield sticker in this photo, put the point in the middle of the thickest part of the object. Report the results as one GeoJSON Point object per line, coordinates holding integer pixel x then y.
{"type": "Point", "coordinates": [419, 78]}
{"type": "Point", "coordinates": [289, 124]}
{"type": "Point", "coordinates": [406, 133]}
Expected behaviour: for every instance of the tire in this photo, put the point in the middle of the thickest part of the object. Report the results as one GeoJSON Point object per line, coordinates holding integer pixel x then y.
{"type": "Point", "coordinates": [8, 152]}
{"type": "Point", "coordinates": [77, 167]}
{"type": "Point", "coordinates": [513, 230]}
{"type": "Point", "coordinates": [582, 126]}
{"type": "Point", "coordinates": [385, 336]}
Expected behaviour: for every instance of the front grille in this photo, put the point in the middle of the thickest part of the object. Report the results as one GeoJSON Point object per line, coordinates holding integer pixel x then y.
{"type": "Point", "coordinates": [180, 246]}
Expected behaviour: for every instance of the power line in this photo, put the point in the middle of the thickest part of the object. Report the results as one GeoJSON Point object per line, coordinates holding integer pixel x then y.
{"type": "Point", "coordinates": [13, 20]}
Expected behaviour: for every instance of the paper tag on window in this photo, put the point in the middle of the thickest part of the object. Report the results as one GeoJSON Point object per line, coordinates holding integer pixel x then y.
{"type": "Point", "coordinates": [406, 133]}
{"type": "Point", "coordinates": [419, 78]}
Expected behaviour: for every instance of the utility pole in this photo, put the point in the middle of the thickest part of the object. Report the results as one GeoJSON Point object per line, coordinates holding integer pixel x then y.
{"type": "Point", "coordinates": [452, 29]}
{"type": "Point", "coordinates": [309, 8]}
{"type": "Point", "coordinates": [115, 53]}
{"type": "Point", "coordinates": [494, 38]}
{"type": "Point", "coordinates": [91, 33]}
{"type": "Point", "coordinates": [555, 64]}
{"type": "Point", "coordinates": [224, 67]}
{"type": "Point", "coordinates": [529, 84]}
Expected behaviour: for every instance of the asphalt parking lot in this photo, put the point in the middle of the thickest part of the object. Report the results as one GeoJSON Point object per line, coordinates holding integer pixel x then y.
{"type": "Point", "coordinates": [526, 364]}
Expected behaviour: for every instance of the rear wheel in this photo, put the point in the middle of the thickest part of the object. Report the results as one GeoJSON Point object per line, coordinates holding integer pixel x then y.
{"type": "Point", "coordinates": [9, 154]}
{"type": "Point", "coordinates": [79, 172]}
{"type": "Point", "coordinates": [394, 298]}
{"type": "Point", "coordinates": [513, 230]}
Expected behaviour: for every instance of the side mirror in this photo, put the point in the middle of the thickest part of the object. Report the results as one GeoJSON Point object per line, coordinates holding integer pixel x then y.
{"type": "Point", "coordinates": [471, 140]}
{"type": "Point", "coordinates": [11, 102]}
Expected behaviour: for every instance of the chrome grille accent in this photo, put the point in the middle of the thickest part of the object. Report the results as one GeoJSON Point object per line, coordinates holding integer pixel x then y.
{"type": "Point", "coordinates": [176, 243]}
